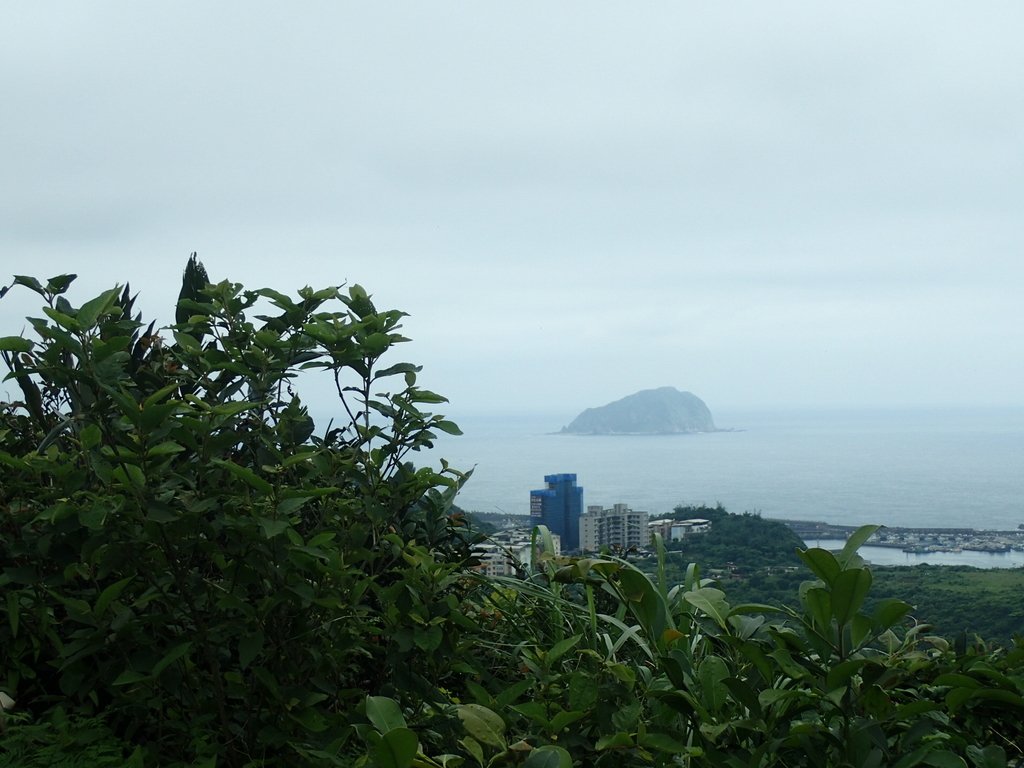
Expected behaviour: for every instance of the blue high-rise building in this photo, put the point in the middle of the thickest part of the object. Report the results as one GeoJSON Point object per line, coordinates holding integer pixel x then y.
{"type": "Point", "coordinates": [559, 507]}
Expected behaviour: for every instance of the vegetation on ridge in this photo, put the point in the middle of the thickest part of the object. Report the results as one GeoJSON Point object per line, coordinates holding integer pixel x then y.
{"type": "Point", "coordinates": [755, 560]}
{"type": "Point", "coordinates": [193, 575]}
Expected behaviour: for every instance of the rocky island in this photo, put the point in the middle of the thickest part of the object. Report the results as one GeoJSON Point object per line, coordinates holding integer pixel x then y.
{"type": "Point", "coordinates": [661, 411]}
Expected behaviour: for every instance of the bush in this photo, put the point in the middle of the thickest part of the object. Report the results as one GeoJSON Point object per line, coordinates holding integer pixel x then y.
{"type": "Point", "coordinates": [679, 676]}
{"type": "Point", "coordinates": [183, 551]}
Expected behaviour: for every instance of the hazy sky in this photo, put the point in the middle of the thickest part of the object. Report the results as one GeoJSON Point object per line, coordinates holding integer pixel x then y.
{"type": "Point", "coordinates": [786, 203]}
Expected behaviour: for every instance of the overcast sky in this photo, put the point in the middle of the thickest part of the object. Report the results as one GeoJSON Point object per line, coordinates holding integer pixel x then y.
{"type": "Point", "coordinates": [767, 204]}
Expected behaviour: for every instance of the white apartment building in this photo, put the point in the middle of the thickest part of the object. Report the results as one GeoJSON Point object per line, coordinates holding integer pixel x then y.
{"type": "Point", "coordinates": [507, 552]}
{"type": "Point", "coordinates": [618, 527]}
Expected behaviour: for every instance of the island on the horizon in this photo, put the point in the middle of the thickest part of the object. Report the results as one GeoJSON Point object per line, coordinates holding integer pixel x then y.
{"type": "Point", "coordinates": [661, 411]}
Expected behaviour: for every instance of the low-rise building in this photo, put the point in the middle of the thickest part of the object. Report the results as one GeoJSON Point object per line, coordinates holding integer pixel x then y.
{"type": "Point", "coordinates": [674, 530]}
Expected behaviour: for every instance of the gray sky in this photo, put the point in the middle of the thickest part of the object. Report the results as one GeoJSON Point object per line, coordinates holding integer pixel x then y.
{"type": "Point", "coordinates": [787, 203]}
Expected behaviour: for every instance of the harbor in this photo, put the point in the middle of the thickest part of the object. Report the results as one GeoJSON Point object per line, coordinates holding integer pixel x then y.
{"type": "Point", "coordinates": [938, 546]}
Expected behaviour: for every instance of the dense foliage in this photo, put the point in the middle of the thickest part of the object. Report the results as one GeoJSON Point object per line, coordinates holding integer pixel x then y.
{"type": "Point", "coordinates": [735, 541]}
{"type": "Point", "coordinates": [755, 560]}
{"type": "Point", "coordinates": [182, 553]}
{"type": "Point", "coordinates": [193, 575]}
{"type": "Point", "coordinates": [959, 600]}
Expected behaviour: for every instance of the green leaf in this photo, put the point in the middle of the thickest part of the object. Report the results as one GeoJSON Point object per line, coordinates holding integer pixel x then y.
{"type": "Point", "coordinates": [772, 696]}
{"type": "Point", "coordinates": [154, 416]}
{"type": "Point", "coordinates": [245, 474]}
{"type": "Point", "coordinates": [291, 504]}
{"type": "Point", "coordinates": [560, 648]}
{"type": "Point", "coordinates": [249, 647]}
{"type": "Point", "coordinates": [396, 749]}
{"type": "Point", "coordinates": [95, 517]}
{"type": "Point", "coordinates": [508, 695]}
{"type": "Point", "coordinates": [15, 344]}
{"type": "Point", "coordinates": [987, 757]}
{"type": "Point", "coordinates": [712, 673]}
{"type": "Point", "coordinates": [310, 719]}
{"type": "Point", "coordinates": [537, 711]}
{"type": "Point", "coordinates": [59, 283]}
{"type": "Point", "coordinates": [822, 562]}
{"type": "Point", "coordinates": [860, 630]}
{"type": "Point", "coordinates": [29, 282]}
{"type": "Point", "coordinates": [958, 696]}
{"type": "Point", "coordinates": [161, 513]}
{"type": "Point", "coordinates": [109, 595]}
{"type": "Point", "coordinates": [841, 673]}
{"type": "Point", "coordinates": [956, 679]}
{"type": "Point", "coordinates": [743, 693]}
{"type": "Point", "coordinates": [618, 740]}
{"type": "Point", "coordinates": [448, 427]}
{"type": "Point", "coordinates": [662, 742]}
{"type": "Point", "coordinates": [855, 542]}
{"type": "Point", "coordinates": [848, 593]}
{"type": "Point", "coordinates": [90, 436]}
{"type": "Point", "coordinates": [889, 612]}
{"type": "Point", "coordinates": [429, 639]}
{"type": "Point", "coordinates": [234, 408]}
{"type": "Point", "coordinates": [483, 724]}
{"type": "Point", "coordinates": [62, 426]}
{"type": "Point", "coordinates": [788, 665]}
{"type": "Point", "coordinates": [472, 746]}
{"type": "Point", "coordinates": [944, 759]}
{"type": "Point", "coordinates": [583, 691]}
{"type": "Point", "coordinates": [61, 319]}
{"type": "Point", "coordinates": [13, 612]}
{"type": "Point", "coordinates": [187, 341]}
{"type": "Point", "coordinates": [166, 448]}
{"type": "Point", "coordinates": [548, 756]}
{"type": "Point", "coordinates": [129, 474]}
{"type": "Point", "coordinates": [395, 369]}
{"type": "Point", "coordinates": [130, 676]}
{"type": "Point", "coordinates": [375, 344]}
{"type": "Point", "coordinates": [126, 403]}
{"type": "Point", "coordinates": [819, 605]}
{"type": "Point", "coordinates": [170, 657]}
{"type": "Point", "coordinates": [564, 719]}
{"type": "Point", "coordinates": [710, 601]}
{"type": "Point", "coordinates": [272, 527]}
{"type": "Point", "coordinates": [159, 395]}
{"type": "Point", "coordinates": [426, 396]}
{"type": "Point", "coordinates": [384, 713]}
{"type": "Point", "coordinates": [744, 627]}
{"type": "Point", "coordinates": [91, 311]}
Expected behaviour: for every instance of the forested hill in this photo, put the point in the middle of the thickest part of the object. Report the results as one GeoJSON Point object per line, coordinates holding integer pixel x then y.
{"type": "Point", "coordinates": [743, 540]}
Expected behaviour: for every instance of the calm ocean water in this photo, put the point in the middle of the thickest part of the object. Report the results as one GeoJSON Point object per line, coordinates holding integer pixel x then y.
{"type": "Point", "coordinates": [919, 468]}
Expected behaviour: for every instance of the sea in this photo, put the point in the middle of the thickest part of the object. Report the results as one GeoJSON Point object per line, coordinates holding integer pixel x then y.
{"type": "Point", "coordinates": [927, 468]}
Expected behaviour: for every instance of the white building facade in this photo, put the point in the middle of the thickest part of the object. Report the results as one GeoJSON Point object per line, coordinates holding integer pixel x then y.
{"type": "Point", "coordinates": [618, 527]}
{"type": "Point", "coordinates": [511, 552]}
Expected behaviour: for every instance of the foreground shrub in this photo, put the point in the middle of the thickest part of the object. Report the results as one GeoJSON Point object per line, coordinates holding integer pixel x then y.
{"type": "Point", "coordinates": [675, 675]}
{"type": "Point", "coordinates": [184, 553]}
